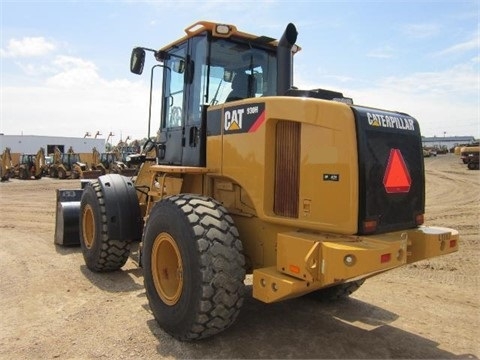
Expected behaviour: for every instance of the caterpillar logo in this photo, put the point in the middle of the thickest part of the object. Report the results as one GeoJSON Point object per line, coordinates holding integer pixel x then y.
{"type": "Point", "coordinates": [234, 119]}
{"type": "Point", "coordinates": [388, 121]}
{"type": "Point", "coordinates": [244, 118]}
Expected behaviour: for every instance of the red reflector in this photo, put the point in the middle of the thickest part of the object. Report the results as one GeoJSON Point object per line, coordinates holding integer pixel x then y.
{"type": "Point", "coordinates": [419, 219]}
{"type": "Point", "coordinates": [369, 226]}
{"type": "Point", "coordinates": [385, 258]}
{"type": "Point", "coordinates": [453, 243]}
{"type": "Point", "coordinates": [397, 178]}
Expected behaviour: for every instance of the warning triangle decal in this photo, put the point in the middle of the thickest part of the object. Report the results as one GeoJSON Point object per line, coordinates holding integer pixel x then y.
{"type": "Point", "coordinates": [397, 178]}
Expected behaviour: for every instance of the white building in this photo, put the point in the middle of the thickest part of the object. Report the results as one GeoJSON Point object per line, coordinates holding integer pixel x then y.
{"type": "Point", "coordinates": [446, 141]}
{"type": "Point", "coordinates": [30, 144]}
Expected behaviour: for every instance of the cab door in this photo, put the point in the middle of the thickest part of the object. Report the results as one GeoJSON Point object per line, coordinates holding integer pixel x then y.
{"type": "Point", "coordinates": [194, 147]}
{"type": "Point", "coordinates": [182, 136]}
{"type": "Point", "coordinates": [174, 110]}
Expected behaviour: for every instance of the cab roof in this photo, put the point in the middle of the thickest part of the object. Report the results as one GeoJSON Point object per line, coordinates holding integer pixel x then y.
{"type": "Point", "coordinates": [224, 31]}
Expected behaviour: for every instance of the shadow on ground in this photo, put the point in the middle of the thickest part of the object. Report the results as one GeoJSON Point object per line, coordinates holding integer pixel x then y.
{"type": "Point", "coordinates": [309, 329]}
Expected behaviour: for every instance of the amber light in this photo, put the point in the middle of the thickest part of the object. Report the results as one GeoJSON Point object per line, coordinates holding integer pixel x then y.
{"type": "Point", "coordinates": [294, 269]}
{"type": "Point", "coordinates": [453, 243]}
{"type": "Point", "coordinates": [385, 258]}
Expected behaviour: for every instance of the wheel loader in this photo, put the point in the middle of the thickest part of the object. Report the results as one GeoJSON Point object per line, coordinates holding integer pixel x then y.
{"type": "Point", "coordinates": [302, 190]}
{"type": "Point", "coordinates": [31, 166]}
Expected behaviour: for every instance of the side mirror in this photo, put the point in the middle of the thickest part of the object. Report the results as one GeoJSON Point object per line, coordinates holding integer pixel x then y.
{"type": "Point", "coordinates": [228, 76]}
{"type": "Point", "coordinates": [178, 66]}
{"type": "Point", "coordinates": [137, 60]}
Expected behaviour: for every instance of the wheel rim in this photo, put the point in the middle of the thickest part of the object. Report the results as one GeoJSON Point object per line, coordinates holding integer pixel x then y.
{"type": "Point", "coordinates": [88, 226]}
{"type": "Point", "coordinates": [167, 269]}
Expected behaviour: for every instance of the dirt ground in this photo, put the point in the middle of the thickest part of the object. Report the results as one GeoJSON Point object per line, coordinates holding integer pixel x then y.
{"type": "Point", "coordinates": [52, 306]}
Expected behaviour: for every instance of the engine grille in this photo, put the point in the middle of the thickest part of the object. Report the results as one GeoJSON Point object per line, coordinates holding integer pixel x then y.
{"type": "Point", "coordinates": [287, 169]}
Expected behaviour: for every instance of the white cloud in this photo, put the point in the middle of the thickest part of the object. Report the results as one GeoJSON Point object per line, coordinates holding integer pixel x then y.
{"type": "Point", "coordinates": [74, 72]}
{"type": "Point", "coordinates": [27, 47]}
{"type": "Point", "coordinates": [472, 44]}
{"type": "Point", "coordinates": [76, 100]}
{"type": "Point", "coordinates": [443, 101]}
{"type": "Point", "coordinates": [384, 52]}
{"type": "Point", "coordinates": [420, 31]}
{"type": "Point", "coordinates": [459, 80]}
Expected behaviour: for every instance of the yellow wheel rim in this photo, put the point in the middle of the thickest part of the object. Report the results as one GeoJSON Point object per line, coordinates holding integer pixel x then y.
{"type": "Point", "coordinates": [88, 227]}
{"type": "Point", "coordinates": [167, 269]}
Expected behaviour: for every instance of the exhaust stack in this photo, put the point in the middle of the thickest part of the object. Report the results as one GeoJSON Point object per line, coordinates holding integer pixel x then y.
{"type": "Point", "coordinates": [285, 59]}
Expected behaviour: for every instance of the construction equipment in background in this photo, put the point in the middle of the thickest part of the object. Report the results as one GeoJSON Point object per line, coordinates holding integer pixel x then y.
{"type": "Point", "coordinates": [31, 166]}
{"type": "Point", "coordinates": [6, 165]}
{"type": "Point", "coordinates": [68, 166]}
{"type": "Point", "coordinates": [469, 150]}
{"type": "Point", "coordinates": [473, 161]}
{"type": "Point", "coordinates": [48, 162]}
{"type": "Point", "coordinates": [111, 163]}
{"type": "Point", "coordinates": [304, 190]}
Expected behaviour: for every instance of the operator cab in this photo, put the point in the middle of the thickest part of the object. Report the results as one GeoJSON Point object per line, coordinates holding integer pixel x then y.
{"type": "Point", "coordinates": [212, 65]}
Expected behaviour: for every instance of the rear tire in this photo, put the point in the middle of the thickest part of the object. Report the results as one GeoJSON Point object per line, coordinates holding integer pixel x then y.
{"type": "Point", "coordinates": [101, 254]}
{"type": "Point", "coordinates": [53, 173]}
{"type": "Point", "coordinates": [193, 266]}
{"type": "Point", "coordinates": [472, 165]}
{"type": "Point", "coordinates": [23, 174]}
{"type": "Point", "coordinates": [61, 173]}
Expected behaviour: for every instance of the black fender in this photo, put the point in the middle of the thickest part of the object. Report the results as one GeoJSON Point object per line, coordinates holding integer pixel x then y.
{"type": "Point", "coordinates": [124, 220]}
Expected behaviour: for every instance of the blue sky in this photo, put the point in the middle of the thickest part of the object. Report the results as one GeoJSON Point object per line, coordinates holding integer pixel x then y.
{"type": "Point", "coordinates": [65, 64]}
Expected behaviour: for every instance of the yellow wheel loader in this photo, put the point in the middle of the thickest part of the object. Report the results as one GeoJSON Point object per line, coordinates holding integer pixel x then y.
{"type": "Point", "coordinates": [6, 165]}
{"type": "Point", "coordinates": [248, 175]}
{"type": "Point", "coordinates": [31, 166]}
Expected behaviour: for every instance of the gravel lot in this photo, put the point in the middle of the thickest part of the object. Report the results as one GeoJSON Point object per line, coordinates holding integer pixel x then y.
{"type": "Point", "coordinates": [52, 306]}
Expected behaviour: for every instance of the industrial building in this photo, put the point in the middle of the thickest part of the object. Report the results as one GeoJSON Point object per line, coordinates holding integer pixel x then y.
{"type": "Point", "coordinates": [448, 142]}
{"type": "Point", "coordinates": [30, 144]}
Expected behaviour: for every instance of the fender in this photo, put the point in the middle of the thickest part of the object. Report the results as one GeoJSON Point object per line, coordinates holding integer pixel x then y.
{"type": "Point", "coordinates": [122, 209]}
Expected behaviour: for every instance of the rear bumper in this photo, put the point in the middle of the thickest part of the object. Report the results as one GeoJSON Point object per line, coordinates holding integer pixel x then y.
{"type": "Point", "coordinates": [307, 262]}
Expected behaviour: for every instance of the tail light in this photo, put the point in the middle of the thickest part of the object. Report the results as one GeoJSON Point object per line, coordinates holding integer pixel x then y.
{"type": "Point", "coordinates": [419, 219]}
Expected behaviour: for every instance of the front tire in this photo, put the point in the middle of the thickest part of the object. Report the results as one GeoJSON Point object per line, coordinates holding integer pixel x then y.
{"type": "Point", "coordinates": [193, 266]}
{"type": "Point", "coordinates": [61, 173]}
{"type": "Point", "coordinates": [101, 254]}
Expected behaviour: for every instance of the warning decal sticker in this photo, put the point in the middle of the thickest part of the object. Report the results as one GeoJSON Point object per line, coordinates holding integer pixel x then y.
{"type": "Point", "coordinates": [397, 178]}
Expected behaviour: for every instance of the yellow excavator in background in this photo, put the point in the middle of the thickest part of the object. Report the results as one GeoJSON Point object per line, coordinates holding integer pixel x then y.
{"type": "Point", "coordinates": [68, 165]}
{"type": "Point", "coordinates": [111, 163]}
{"type": "Point", "coordinates": [6, 166]}
{"type": "Point", "coordinates": [31, 166]}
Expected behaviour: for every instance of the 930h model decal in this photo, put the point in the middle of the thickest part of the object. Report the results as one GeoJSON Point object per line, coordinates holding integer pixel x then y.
{"type": "Point", "coordinates": [243, 118]}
